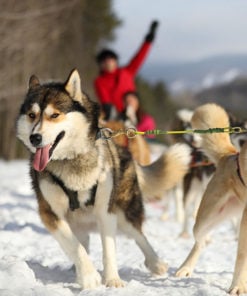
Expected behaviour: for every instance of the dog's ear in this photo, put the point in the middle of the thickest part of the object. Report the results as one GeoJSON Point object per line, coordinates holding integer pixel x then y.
{"type": "Point", "coordinates": [73, 85]}
{"type": "Point", "coordinates": [33, 81]}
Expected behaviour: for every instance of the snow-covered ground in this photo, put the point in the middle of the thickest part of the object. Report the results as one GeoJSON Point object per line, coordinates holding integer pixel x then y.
{"type": "Point", "coordinates": [32, 263]}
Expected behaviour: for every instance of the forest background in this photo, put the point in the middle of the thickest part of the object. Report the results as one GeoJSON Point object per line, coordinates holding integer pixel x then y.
{"type": "Point", "coordinates": [50, 38]}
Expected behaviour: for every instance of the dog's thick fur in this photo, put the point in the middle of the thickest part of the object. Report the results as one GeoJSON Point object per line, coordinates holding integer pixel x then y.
{"type": "Point", "coordinates": [226, 193]}
{"type": "Point", "coordinates": [81, 179]}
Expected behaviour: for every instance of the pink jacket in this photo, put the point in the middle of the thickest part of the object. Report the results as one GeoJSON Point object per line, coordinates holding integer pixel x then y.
{"type": "Point", "coordinates": [147, 123]}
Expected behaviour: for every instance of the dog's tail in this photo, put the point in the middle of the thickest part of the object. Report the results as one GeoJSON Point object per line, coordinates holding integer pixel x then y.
{"type": "Point", "coordinates": [166, 172]}
{"type": "Point", "coordinates": [215, 145]}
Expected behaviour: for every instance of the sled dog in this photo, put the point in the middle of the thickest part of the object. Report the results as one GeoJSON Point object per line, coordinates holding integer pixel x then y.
{"type": "Point", "coordinates": [225, 195]}
{"type": "Point", "coordinates": [82, 180]}
{"type": "Point", "coordinates": [190, 192]}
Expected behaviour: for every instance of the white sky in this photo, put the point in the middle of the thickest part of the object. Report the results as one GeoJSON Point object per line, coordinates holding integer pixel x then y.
{"type": "Point", "coordinates": [189, 29]}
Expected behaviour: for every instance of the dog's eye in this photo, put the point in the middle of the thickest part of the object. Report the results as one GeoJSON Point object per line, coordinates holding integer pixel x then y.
{"type": "Point", "coordinates": [55, 115]}
{"type": "Point", "coordinates": [32, 115]}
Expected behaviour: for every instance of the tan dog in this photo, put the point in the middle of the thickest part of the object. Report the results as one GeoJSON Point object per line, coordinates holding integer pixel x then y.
{"type": "Point", "coordinates": [226, 193]}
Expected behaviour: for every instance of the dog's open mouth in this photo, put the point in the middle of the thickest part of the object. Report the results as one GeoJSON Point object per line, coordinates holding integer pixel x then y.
{"type": "Point", "coordinates": [43, 155]}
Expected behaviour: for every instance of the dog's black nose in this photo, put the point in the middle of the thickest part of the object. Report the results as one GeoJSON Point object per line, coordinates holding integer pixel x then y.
{"type": "Point", "coordinates": [36, 139]}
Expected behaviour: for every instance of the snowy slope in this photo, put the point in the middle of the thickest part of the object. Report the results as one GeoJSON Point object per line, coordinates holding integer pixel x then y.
{"type": "Point", "coordinates": [32, 263]}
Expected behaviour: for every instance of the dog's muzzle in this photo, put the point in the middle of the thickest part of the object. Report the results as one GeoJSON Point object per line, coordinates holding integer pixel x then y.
{"type": "Point", "coordinates": [43, 154]}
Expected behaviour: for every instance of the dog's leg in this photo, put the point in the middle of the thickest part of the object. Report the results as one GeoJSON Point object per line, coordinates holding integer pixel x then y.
{"type": "Point", "coordinates": [152, 261]}
{"type": "Point", "coordinates": [80, 229]}
{"type": "Point", "coordinates": [178, 192]}
{"type": "Point", "coordinates": [239, 285]}
{"type": "Point", "coordinates": [188, 197]}
{"type": "Point", "coordinates": [192, 197]}
{"type": "Point", "coordinates": [83, 237]}
{"type": "Point", "coordinates": [107, 223]}
{"type": "Point", "coordinates": [188, 201]}
{"type": "Point", "coordinates": [217, 204]}
{"type": "Point", "coordinates": [187, 267]}
{"type": "Point", "coordinates": [87, 275]}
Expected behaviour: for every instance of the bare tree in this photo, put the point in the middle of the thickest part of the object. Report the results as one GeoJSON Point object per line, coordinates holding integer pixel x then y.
{"type": "Point", "coordinates": [46, 38]}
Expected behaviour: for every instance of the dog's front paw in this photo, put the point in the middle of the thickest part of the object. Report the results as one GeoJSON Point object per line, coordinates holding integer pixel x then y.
{"type": "Point", "coordinates": [184, 271]}
{"type": "Point", "coordinates": [90, 280]}
{"type": "Point", "coordinates": [157, 266]}
{"type": "Point", "coordinates": [239, 288]}
{"type": "Point", "coordinates": [116, 283]}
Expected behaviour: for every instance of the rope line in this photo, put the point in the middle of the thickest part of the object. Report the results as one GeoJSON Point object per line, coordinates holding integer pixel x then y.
{"type": "Point", "coordinates": [107, 133]}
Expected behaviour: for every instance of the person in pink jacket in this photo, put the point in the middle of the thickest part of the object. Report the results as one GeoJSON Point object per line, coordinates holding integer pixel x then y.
{"type": "Point", "coordinates": [134, 113]}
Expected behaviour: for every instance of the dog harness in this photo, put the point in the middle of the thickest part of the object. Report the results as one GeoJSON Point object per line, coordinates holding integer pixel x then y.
{"type": "Point", "coordinates": [73, 195]}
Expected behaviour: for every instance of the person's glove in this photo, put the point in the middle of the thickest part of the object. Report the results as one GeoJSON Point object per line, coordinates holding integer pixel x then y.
{"type": "Point", "coordinates": [131, 115]}
{"type": "Point", "coordinates": [152, 31]}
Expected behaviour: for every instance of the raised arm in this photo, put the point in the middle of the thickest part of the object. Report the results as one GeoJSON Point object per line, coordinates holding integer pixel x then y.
{"type": "Point", "coordinates": [136, 62]}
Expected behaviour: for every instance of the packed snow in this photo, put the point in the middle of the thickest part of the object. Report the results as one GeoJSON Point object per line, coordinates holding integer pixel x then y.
{"type": "Point", "coordinates": [32, 263]}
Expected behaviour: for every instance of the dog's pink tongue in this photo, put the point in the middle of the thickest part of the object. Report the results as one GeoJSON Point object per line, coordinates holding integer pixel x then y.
{"type": "Point", "coordinates": [41, 158]}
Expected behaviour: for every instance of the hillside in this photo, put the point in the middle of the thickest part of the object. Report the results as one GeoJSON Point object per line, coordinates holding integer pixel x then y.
{"type": "Point", "coordinates": [232, 95]}
{"type": "Point", "coordinates": [197, 74]}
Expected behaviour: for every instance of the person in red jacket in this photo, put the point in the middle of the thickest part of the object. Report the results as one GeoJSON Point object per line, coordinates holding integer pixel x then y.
{"type": "Point", "coordinates": [114, 81]}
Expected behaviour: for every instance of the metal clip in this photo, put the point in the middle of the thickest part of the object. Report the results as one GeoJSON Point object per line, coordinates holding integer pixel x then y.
{"type": "Point", "coordinates": [105, 133]}
{"type": "Point", "coordinates": [131, 132]}
{"type": "Point", "coordinates": [236, 130]}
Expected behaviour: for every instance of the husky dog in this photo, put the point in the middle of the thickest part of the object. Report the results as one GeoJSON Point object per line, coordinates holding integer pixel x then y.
{"type": "Point", "coordinates": [82, 180]}
{"type": "Point", "coordinates": [225, 195]}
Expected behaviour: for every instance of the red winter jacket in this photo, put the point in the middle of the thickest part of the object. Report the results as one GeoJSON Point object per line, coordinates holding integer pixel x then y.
{"type": "Point", "coordinates": [110, 87]}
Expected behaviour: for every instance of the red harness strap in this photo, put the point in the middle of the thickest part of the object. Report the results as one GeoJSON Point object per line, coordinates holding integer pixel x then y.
{"type": "Point", "coordinates": [196, 164]}
{"type": "Point", "coordinates": [199, 160]}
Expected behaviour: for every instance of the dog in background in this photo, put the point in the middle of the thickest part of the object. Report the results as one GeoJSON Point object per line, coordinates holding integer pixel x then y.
{"type": "Point", "coordinates": [226, 193]}
{"type": "Point", "coordinates": [238, 139]}
{"type": "Point", "coordinates": [189, 192]}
